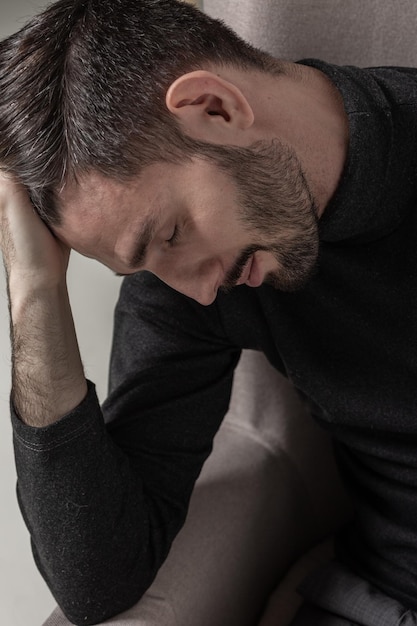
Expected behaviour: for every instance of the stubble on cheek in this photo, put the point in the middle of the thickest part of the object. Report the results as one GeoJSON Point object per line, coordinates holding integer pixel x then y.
{"type": "Point", "coordinates": [235, 272]}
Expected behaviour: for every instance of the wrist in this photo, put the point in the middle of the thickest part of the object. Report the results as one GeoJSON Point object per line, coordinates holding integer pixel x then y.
{"type": "Point", "coordinates": [27, 291]}
{"type": "Point", "coordinates": [26, 280]}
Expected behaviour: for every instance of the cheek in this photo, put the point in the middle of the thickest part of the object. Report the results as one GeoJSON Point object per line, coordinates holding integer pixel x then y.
{"type": "Point", "coordinates": [225, 235]}
{"type": "Point", "coordinates": [70, 239]}
{"type": "Point", "coordinates": [267, 261]}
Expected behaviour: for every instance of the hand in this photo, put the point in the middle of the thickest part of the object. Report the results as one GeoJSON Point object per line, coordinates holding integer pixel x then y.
{"type": "Point", "coordinates": [47, 374]}
{"type": "Point", "coordinates": [32, 254]}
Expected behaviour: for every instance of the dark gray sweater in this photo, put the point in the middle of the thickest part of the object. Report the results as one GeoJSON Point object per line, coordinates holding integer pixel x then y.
{"type": "Point", "coordinates": [103, 498]}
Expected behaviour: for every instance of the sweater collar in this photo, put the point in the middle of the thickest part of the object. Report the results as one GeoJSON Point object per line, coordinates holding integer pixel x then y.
{"type": "Point", "coordinates": [359, 209]}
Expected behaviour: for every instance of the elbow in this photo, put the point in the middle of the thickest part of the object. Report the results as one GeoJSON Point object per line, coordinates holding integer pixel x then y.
{"type": "Point", "coordinates": [97, 596]}
{"type": "Point", "coordinates": [89, 609]}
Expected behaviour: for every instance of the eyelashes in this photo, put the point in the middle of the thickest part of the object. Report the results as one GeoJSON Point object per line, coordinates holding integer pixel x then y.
{"type": "Point", "coordinates": [176, 236]}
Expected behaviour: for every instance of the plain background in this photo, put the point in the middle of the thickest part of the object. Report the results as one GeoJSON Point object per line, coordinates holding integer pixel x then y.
{"type": "Point", "coordinates": [24, 598]}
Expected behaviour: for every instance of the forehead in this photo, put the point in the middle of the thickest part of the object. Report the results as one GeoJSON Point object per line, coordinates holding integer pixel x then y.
{"type": "Point", "coordinates": [100, 211]}
{"type": "Point", "coordinates": [95, 209]}
{"type": "Point", "coordinates": [94, 195]}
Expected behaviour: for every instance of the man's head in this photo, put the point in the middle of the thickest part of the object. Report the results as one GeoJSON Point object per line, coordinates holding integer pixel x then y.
{"type": "Point", "coordinates": [201, 225]}
{"type": "Point", "coordinates": [83, 88]}
{"type": "Point", "coordinates": [94, 98]}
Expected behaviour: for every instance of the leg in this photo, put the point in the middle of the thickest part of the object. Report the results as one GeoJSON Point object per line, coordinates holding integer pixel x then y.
{"type": "Point", "coordinates": [336, 596]}
{"type": "Point", "coordinates": [310, 615]}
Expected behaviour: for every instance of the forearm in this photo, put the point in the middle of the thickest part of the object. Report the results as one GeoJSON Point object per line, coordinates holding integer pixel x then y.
{"type": "Point", "coordinates": [48, 379]}
{"type": "Point", "coordinates": [47, 374]}
{"type": "Point", "coordinates": [85, 513]}
{"type": "Point", "coordinates": [103, 505]}
{"type": "Point", "coordinates": [83, 506]}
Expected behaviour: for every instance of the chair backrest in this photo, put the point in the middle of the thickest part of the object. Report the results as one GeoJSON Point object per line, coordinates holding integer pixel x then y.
{"type": "Point", "coordinates": [371, 32]}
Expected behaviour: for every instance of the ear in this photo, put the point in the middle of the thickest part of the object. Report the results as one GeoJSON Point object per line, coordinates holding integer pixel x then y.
{"type": "Point", "coordinates": [209, 107]}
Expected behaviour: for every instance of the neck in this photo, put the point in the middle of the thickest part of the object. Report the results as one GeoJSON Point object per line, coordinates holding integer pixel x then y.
{"type": "Point", "coordinates": [304, 109]}
{"type": "Point", "coordinates": [321, 136]}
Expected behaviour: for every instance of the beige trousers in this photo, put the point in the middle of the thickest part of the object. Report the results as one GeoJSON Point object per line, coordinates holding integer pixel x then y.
{"type": "Point", "coordinates": [268, 492]}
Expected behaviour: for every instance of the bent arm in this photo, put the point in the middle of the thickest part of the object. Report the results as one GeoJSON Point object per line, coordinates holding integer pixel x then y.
{"type": "Point", "coordinates": [47, 374]}
{"type": "Point", "coordinates": [103, 503]}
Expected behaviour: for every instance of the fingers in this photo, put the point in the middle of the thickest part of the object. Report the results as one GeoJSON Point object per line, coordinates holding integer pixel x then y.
{"type": "Point", "coordinates": [29, 249]}
{"type": "Point", "coordinates": [9, 195]}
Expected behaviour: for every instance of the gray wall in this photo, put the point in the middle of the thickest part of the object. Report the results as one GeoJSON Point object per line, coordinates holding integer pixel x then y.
{"type": "Point", "coordinates": [24, 598]}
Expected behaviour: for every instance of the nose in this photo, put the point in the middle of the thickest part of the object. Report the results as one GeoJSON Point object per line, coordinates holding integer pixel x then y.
{"type": "Point", "coordinates": [200, 286]}
{"type": "Point", "coordinates": [201, 293]}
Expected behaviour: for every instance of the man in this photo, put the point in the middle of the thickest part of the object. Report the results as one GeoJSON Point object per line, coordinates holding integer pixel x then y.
{"type": "Point", "coordinates": [282, 198]}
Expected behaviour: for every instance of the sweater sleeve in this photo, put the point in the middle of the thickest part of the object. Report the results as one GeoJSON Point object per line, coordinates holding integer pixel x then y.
{"type": "Point", "coordinates": [104, 491]}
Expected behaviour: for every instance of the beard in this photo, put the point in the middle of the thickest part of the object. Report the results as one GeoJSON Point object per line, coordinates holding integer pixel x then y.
{"type": "Point", "coordinates": [277, 209]}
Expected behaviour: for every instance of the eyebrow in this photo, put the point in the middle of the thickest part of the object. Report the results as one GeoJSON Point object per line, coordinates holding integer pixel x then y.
{"type": "Point", "coordinates": [144, 238]}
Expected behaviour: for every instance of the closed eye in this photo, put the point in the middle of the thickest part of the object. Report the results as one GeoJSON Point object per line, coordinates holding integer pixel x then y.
{"type": "Point", "coordinates": [176, 236]}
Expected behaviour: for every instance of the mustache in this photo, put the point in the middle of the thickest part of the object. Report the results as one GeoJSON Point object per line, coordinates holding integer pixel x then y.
{"type": "Point", "coordinates": [237, 268]}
